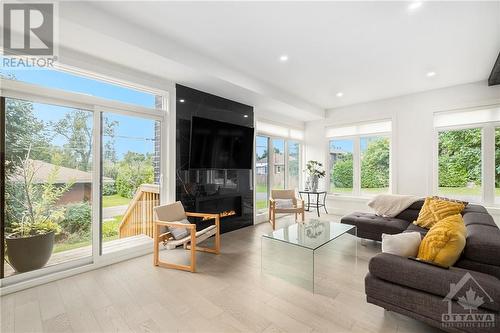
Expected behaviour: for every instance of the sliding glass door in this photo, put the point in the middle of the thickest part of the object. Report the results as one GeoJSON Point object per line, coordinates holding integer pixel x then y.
{"type": "Point", "coordinates": [277, 166]}
{"type": "Point", "coordinates": [130, 180]}
{"type": "Point", "coordinates": [262, 173]}
{"type": "Point", "coordinates": [48, 185]}
{"type": "Point", "coordinates": [80, 174]}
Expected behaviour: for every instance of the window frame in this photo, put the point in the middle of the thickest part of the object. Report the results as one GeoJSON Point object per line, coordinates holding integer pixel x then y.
{"type": "Point", "coordinates": [97, 105]}
{"type": "Point", "coordinates": [356, 184]}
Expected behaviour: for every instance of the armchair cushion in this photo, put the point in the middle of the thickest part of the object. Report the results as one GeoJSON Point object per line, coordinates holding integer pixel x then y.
{"type": "Point", "coordinates": [179, 233]}
{"type": "Point", "coordinates": [284, 203]}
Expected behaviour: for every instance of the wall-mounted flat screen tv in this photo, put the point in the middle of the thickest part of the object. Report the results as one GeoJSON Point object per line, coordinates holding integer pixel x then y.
{"type": "Point", "coordinates": [220, 145]}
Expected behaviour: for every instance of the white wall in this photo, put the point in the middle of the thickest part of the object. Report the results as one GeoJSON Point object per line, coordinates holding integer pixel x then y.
{"type": "Point", "coordinates": [412, 138]}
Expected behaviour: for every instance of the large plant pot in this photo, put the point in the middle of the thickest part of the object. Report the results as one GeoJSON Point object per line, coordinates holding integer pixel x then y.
{"type": "Point", "coordinates": [29, 253]}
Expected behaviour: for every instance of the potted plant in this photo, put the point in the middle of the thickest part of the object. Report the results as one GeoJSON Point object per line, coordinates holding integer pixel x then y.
{"type": "Point", "coordinates": [315, 171]}
{"type": "Point", "coordinates": [31, 241]}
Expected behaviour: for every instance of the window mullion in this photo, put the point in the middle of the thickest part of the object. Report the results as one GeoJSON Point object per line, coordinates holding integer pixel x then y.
{"type": "Point", "coordinates": [488, 165]}
{"type": "Point", "coordinates": [357, 167]}
{"type": "Point", "coordinates": [96, 186]}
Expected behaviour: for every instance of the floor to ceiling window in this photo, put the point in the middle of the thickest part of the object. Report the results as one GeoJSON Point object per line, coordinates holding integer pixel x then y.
{"type": "Point", "coordinates": [261, 172]}
{"type": "Point", "coordinates": [293, 168]}
{"type": "Point", "coordinates": [130, 187]}
{"type": "Point", "coordinates": [81, 173]}
{"type": "Point", "coordinates": [48, 183]}
{"type": "Point", "coordinates": [278, 162]}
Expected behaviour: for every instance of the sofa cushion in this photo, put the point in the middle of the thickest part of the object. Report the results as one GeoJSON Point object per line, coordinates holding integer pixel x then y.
{"type": "Point", "coordinates": [470, 208]}
{"type": "Point", "coordinates": [478, 266]}
{"type": "Point", "coordinates": [412, 228]}
{"type": "Point", "coordinates": [431, 279]}
{"type": "Point", "coordinates": [422, 306]}
{"type": "Point", "coordinates": [483, 244]}
{"type": "Point", "coordinates": [479, 218]}
{"type": "Point", "coordinates": [372, 226]}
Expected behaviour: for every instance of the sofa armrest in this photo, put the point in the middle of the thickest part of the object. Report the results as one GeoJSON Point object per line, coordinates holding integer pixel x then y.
{"type": "Point", "coordinates": [432, 279]}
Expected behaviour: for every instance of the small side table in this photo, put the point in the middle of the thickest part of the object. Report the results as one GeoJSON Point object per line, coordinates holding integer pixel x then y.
{"type": "Point", "coordinates": [317, 202]}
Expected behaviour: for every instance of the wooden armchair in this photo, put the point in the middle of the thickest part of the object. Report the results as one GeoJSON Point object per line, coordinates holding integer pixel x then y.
{"type": "Point", "coordinates": [166, 215]}
{"type": "Point", "coordinates": [297, 205]}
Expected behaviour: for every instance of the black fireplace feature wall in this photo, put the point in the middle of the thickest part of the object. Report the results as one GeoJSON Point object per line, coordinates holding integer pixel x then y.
{"type": "Point", "coordinates": [227, 192]}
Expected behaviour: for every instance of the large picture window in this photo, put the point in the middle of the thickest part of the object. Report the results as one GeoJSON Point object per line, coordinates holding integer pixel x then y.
{"type": "Point", "coordinates": [375, 159]}
{"type": "Point", "coordinates": [341, 162]}
{"type": "Point", "coordinates": [359, 158]}
{"type": "Point", "coordinates": [459, 161]}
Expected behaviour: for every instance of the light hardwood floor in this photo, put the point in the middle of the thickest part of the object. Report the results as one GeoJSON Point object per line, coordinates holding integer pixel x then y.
{"type": "Point", "coordinates": [228, 294]}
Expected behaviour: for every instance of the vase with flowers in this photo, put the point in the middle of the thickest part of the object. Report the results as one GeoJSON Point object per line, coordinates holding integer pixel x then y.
{"type": "Point", "coordinates": [315, 172]}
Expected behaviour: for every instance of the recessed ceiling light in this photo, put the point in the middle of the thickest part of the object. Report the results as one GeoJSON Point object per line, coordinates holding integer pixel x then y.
{"type": "Point", "coordinates": [283, 58]}
{"type": "Point", "coordinates": [181, 100]}
{"type": "Point", "coordinates": [431, 74]}
{"type": "Point", "coordinates": [340, 94]}
{"type": "Point", "coordinates": [414, 5]}
{"type": "Point", "coordinates": [245, 116]}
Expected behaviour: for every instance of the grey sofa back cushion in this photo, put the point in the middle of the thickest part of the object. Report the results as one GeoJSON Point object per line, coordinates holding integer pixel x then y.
{"type": "Point", "coordinates": [483, 244]}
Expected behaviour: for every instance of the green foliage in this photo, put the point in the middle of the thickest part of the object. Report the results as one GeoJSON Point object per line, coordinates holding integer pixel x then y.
{"type": "Point", "coordinates": [315, 169]}
{"type": "Point", "coordinates": [134, 170]}
{"type": "Point", "coordinates": [342, 171]}
{"type": "Point", "coordinates": [375, 164]}
{"type": "Point", "coordinates": [460, 157]}
{"type": "Point", "coordinates": [37, 228]}
{"type": "Point", "coordinates": [37, 212]}
{"type": "Point", "coordinates": [77, 219]}
{"type": "Point", "coordinates": [109, 189]}
{"type": "Point", "coordinates": [110, 228]}
{"type": "Point", "coordinates": [22, 131]}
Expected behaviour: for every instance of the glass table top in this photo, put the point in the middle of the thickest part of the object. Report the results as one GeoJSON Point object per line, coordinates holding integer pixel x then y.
{"type": "Point", "coordinates": [312, 234]}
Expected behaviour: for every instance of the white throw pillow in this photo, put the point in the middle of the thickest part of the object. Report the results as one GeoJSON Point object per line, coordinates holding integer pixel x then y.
{"type": "Point", "coordinates": [284, 203]}
{"type": "Point", "coordinates": [404, 244]}
{"type": "Point", "coordinates": [180, 233]}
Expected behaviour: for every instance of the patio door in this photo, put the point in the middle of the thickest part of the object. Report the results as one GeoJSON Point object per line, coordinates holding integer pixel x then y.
{"type": "Point", "coordinates": [130, 179]}
{"type": "Point", "coordinates": [47, 185]}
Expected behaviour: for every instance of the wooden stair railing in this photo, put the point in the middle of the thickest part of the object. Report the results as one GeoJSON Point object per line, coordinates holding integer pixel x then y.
{"type": "Point", "coordinates": [138, 219]}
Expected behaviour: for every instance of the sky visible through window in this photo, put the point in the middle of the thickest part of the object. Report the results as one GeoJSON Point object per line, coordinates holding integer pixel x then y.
{"type": "Point", "coordinates": [132, 133]}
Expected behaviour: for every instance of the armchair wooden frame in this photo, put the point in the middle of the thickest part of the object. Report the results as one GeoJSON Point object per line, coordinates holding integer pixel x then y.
{"type": "Point", "coordinates": [298, 206]}
{"type": "Point", "coordinates": [157, 238]}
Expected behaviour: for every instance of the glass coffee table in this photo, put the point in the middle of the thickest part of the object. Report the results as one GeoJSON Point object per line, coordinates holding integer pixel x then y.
{"type": "Point", "coordinates": [304, 252]}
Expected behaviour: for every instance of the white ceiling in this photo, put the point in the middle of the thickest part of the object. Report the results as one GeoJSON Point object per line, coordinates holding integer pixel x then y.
{"type": "Point", "coordinates": [367, 50]}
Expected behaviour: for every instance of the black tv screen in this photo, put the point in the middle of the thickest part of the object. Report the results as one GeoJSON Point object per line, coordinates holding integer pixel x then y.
{"type": "Point", "coordinates": [219, 145]}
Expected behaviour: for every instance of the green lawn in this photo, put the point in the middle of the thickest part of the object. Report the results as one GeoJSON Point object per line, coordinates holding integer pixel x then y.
{"type": "Point", "coordinates": [109, 232]}
{"type": "Point", "coordinates": [261, 188]}
{"type": "Point", "coordinates": [344, 190]}
{"type": "Point", "coordinates": [114, 200]}
{"type": "Point", "coordinates": [462, 190]}
{"type": "Point", "coordinates": [261, 204]}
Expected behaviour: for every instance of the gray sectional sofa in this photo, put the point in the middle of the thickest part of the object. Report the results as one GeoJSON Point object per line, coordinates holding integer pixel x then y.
{"type": "Point", "coordinates": [463, 298]}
